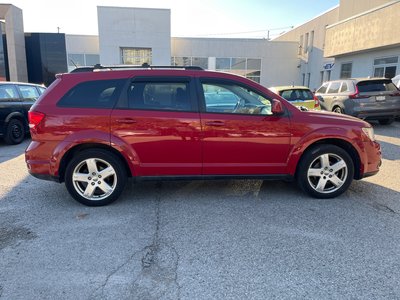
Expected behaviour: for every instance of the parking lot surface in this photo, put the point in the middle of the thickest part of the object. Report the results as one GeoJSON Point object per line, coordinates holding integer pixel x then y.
{"type": "Point", "coordinates": [201, 239]}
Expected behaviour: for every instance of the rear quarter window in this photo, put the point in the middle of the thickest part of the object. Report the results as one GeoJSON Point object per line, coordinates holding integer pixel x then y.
{"type": "Point", "coordinates": [322, 89]}
{"type": "Point", "coordinates": [93, 94]}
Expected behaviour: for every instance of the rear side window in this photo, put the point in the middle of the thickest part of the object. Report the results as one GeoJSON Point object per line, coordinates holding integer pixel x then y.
{"type": "Point", "coordinates": [28, 92]}
{"type": "Point", "coordinates": [174, 96]}
{"type": "Point", "coordinates": [376, 86]}
{"type": "Point", "coordinates": [334, 88]}
{"type": "Point", "coordinates": [93, 94]}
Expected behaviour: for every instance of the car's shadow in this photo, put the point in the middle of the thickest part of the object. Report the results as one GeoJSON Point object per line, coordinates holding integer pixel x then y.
{"type": "Point", "coordinates": [8, 152]}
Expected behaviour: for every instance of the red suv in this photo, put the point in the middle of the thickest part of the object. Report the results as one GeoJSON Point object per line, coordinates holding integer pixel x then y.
{"type": "Point", "coordinates": [93, 130]}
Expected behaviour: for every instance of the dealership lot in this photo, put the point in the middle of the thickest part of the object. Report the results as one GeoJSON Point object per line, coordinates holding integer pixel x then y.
{"type": "Point", "coordinates": [201, 239]}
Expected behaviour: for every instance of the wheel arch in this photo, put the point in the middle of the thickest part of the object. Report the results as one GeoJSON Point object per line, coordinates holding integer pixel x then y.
{"type": "Point", "coordinates": [345, 145]}
{"type": "Point", "coordinates": [85, 146]}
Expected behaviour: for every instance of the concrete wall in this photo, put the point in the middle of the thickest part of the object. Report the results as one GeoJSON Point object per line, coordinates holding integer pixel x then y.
{"type": "Point", "coordinates": [278, 59]}
{"type": "Point", "coordinates": [374, 29]}
{"type": "Point", "coordinates": [311, 61]}
{"type": "Point", "coordinates": [349, 8]}
{"type": "Point", "coordinates": [136, 28]}
{"type": "Point", "coordinates": [363, 63]}
{"type": "Point", "coordinates": [83, 44]}
{"type": "Point", "coordinates": [15, 42]}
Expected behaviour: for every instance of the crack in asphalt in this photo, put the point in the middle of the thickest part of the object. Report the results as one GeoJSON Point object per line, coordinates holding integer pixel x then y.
{"type": "Point", "coordinates": [159, 267]}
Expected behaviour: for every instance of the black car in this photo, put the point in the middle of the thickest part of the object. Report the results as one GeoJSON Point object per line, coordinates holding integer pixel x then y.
{"type": "Point", "coordinates": [15, 100]}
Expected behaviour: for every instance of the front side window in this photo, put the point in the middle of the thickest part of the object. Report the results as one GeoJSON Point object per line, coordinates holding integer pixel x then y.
{"type": "Point", "coordinates": [234, 99]}
{"type": "Point", "coordinates": [8, 91]}
{"type": "Point", "coordinates": [173, 96]}
{"type": "Point", "coordinates": [93, 94]}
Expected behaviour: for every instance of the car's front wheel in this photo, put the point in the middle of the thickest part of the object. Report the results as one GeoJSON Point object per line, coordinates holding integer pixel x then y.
{"type": "Point", "coordinates": [325, 171]}
{"type": "Point", "coordinates": [95, 177]}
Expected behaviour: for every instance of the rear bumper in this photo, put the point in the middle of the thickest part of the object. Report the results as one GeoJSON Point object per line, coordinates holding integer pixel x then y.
{"type": "Point", "coordinates": [377, 114]}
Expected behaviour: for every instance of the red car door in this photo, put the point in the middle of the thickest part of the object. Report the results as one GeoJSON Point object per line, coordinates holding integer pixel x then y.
{"type": "Point", "coordinates": [160, 122]}
{"type": "Point", "coordinates": [240, 133]}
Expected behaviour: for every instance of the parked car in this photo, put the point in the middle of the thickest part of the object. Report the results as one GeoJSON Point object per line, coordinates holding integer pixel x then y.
{"type": "Point", "coordinates": [299, 96]}
{"type": "Point", "coordinates": [93, 130]}
{"type": "Point", "coordinates": [16, 98]}
{"type": "Point", "coordinates": [396, 81]}
{"type": "Point", "coordinates": [369, 98]}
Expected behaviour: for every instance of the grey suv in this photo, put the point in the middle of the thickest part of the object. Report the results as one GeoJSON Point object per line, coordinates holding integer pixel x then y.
{"type": "Point", "coordinates": [371, 99]}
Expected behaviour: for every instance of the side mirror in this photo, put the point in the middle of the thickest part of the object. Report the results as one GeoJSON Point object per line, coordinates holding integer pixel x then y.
{"type": "Point", "coordinates": [277, 107]}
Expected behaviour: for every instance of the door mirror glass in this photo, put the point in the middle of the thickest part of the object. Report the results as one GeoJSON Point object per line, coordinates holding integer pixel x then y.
{"type": "Point", "coordinates": [277, 107]}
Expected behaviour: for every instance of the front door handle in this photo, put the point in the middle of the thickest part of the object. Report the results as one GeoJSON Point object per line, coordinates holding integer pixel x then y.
{"type": "Point", "coordinates": [126, 121]}
{"type": "Point", "coordinates": [215, 123]}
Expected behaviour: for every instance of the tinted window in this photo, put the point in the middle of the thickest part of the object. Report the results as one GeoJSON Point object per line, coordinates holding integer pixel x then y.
{"type": "Point", "coordinates": [93, 94]}
{"type": "Point", "coordinates": [41, 89]}
{"type": "Point", "coordinates": [323, 88]}
{"type": "Point", "coordinates": [160, 96]}
{"type": "Point", "coordinates": [334, 87]}
{"type": "Point", "coordinates": [28, 92]}
{"type": "Point", "coordinates": [297, 95]}
{"type": "Point", "coordinates": [8, 92]}
{"type": "Point", "coordinates": [234, 99]}
{"type": "Point", "coordinates": [376, 86]}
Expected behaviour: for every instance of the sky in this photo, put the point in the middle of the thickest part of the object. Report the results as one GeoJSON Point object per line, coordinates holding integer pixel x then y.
{"type": "Point", "coordinates": [199, 18]}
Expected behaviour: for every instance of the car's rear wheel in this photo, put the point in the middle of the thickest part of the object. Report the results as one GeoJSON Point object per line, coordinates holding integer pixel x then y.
{"type": "Point", "coordinates": [338, 110]}
{"type": "Point", "coordinates": [15, 132]}
{"type": "Point", "coordinates": [387, 121]}
{"type": "Point", "coordinates": [95, 177]}
{"type": "Point", "coordinates": [325, 171]}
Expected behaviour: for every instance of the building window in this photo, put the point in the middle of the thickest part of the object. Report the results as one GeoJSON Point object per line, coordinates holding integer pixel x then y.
{"type": "Point", "coordinates": [345, 70]}
{"type": "Point", "coordinates": [328, 75]}
{"type": "Point", "coordinates": [312, 40]}
{"type": "Point", "coordinates": [308, 79]}
{"type": "Point", "coordinates": [201, 62]}
{"type": "Point", "coordinates": [304, 78]}
{"type": "Point", "coordinates": [80, 60]}
{"type": "Point", "coordinates": [385, 67]}
{"type": "Point", "coordinates": [322, 77]}
{"type": "Point", "coordinates": [306, 43]}
{"type": "Point", "coordinates": [136, 56]}
{"type": "Point", "coordinates": [301, 44]}
{"type": "Point", "coordinates": [247, 67]}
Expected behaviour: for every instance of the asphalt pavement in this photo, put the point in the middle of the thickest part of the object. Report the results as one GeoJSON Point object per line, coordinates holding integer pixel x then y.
{"type": "Point", "coordinates": [201, 239]}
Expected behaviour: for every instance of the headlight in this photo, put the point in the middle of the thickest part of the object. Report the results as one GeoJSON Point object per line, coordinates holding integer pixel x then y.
{"type": "Point", "coordinates": [369, 132]}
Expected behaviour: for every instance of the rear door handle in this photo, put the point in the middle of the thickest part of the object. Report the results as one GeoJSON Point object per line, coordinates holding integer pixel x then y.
{"type": "Point", "coordinates": [126, 121]}
{"type": "Point", "coordinates": [215, 123]}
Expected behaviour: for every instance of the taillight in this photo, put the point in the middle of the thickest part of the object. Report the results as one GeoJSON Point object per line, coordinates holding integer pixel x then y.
{"type": "Point", "coordinates": [35, 118]}
{"type": "Point", "coordinates": [316, 102]}
{"type": "Point", "coordinates": [357, 95]}
{"type": "Point", "coordinates": [395, 94]}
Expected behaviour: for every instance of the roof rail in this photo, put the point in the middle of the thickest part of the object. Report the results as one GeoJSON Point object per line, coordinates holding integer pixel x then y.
{"type": "Point", "coordinates": [99, 67]}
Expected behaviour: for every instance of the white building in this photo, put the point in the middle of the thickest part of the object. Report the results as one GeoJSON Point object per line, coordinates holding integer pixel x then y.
{"type": "Point", "coordinates": [354, 39]}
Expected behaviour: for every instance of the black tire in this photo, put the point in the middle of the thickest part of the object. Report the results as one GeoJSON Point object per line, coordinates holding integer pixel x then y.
{"type": "Point", "coordinates": [387, 121]}
{"type": "Point", "coordinates": [15, 132]}
{"type": "Point", "coordinates": [338, 110]}
{"type": "Point", "coordinates": [320, 160]}
{"type": "Point", "coordinates": [107, 172]}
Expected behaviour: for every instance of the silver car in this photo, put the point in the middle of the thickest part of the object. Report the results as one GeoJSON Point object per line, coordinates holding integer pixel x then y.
{"type": "Point", "coordinates": [370, 99]}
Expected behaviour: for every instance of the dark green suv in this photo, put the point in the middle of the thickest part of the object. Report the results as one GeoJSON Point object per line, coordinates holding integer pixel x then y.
{"type": "Point", "coordinates": [15, 101]}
